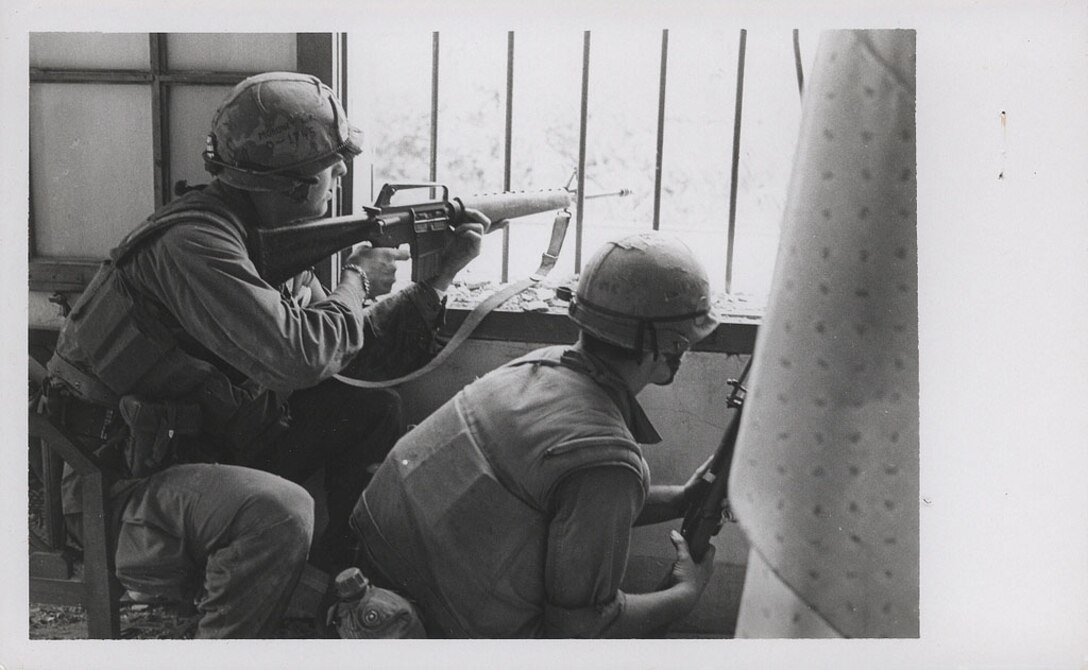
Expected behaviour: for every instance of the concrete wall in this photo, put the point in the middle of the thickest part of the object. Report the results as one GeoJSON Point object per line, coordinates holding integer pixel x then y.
{"type": "Point", "coordinates": [690, 414]}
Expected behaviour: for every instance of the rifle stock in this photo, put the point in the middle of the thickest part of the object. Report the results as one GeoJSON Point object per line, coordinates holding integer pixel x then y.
{"type": "Point", "coordinates": [704, 514]}
{"type": "Point", "coordinates": [427, 227]}
{"type": "Point", "coordinates": [703, 518]}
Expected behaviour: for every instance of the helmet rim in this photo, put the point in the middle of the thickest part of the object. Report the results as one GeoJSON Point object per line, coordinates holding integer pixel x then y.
{"type": "Point", "coordinates": [644, 289]}
{"type": "Point", "coordinates": [271, 117]}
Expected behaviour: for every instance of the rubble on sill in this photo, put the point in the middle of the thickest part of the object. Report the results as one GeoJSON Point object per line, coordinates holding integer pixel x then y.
{"type": "Point", "coordinates": [542, 298]}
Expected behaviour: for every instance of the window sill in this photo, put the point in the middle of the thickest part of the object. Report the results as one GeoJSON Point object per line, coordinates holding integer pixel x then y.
{"type": "Point", "coordinates": [534, 316]}
{"type": "Point", "coordinates": [734, 335]}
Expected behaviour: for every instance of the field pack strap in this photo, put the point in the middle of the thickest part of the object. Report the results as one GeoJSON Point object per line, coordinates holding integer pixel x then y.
{"type": "Point", "coordinates": [85, 386]}
{"type": "Point", "coordinates": [547, 262]}
{"type": "Point", "coordinates": [155, 226]}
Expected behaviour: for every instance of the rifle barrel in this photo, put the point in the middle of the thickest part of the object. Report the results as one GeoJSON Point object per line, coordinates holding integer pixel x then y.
{"type": "Point", "coordinates": [622, 193]}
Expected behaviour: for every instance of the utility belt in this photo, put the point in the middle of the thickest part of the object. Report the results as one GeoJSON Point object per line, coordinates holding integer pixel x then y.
{"type": "Point", "coordinates": [136, 437]}
{"type": "Point", "coordinates": [84, 419]}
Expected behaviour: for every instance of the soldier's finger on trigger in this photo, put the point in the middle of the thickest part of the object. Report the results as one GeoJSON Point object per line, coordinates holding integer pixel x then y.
{"type": "Point", "coordinates": [469, 228]}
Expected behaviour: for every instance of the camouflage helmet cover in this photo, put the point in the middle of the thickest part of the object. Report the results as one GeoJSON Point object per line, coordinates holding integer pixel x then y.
{"type": "Point", "coordinates": [276, 130]}
{"type": "Point", "coordinates": [645, 292]}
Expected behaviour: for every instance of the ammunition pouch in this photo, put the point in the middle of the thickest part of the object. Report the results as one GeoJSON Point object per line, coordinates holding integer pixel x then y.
{"type": "Point", "coordinates": [98, 428]}
{"type": "Point", "coordinates": [158, 433]}
{"type": "Point", "coordinates": [134, 439]}
{"type": "Point", "coordinates": [109, 331]}
{"type": "Point", "coordinates": [130, 384]}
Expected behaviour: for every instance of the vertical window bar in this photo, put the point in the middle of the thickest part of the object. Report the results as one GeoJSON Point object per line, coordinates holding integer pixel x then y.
{"type": "Point", "coordinates": [736, 162]}
{"type": "Point", "coordinates": [160, 120]}
{"type": "Point", "coordinates": [434, 106]}
{"type": "Point", "coordinates": [346, 191]}
{"type": "Point", "coordinates": [32, 236]}
{"type": "Point", "coordinates": [797, 61]}
{"type": "Point", "coordinates": [322, 55]}
{"type": "Point", "coordinates": [581, 196]}
{"type": "Point", "coordinates": [660, 128]}
{"type": "Point", "coordinates": [509, 146]}
{"type": "Point", "coordinates": [341, 204]}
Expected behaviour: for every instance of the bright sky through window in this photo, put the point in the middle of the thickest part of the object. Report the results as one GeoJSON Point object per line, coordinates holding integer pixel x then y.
{"type": "Point", "coordinates": [390, 96]}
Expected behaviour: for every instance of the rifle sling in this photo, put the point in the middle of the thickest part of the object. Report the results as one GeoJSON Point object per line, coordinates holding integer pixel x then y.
{"type": "Point", "coordinates": [476, 316]}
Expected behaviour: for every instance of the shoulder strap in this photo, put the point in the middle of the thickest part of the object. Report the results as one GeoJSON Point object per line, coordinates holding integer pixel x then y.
{"type": "Point", "coordinates": [185, 209]}
{"type": "Point", "coordinates": [547, 262]}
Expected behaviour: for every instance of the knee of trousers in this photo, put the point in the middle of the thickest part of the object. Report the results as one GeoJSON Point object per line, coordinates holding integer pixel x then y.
{"type": "Point", "coordinates": [390, 406]}
{"type": "Point", "coordinates": [390, 401]}
{"type": "Point", "coordinates": [282, 513]}
{"type": "Point", "coordinates": [386, 403]}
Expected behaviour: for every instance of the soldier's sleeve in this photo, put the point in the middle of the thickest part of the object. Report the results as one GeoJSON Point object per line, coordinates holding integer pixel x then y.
{"type": "Point", "coordinates": [204, 277]}
{"type": "Point", "coordinates": [588, 541]}
{"type": "Point", "coordinates": [400, 333]}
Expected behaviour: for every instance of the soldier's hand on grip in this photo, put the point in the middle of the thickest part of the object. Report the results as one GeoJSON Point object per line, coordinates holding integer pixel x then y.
{"type": "Point", "coordinates": [685, 571]}
{"type": "Point", "coordinates": [467, 241]}
{"type": "Point", "coordinates": [380, 266]}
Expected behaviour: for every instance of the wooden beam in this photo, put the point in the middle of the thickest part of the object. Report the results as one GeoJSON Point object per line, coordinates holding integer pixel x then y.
{"type": "Point", "coordinates": [66, 76]}
{"type": "Point", "coordinates": [204, 78]}
{"type": "Point", "coordinates": [160, 120]}
{"type": "Point", "coordinates": [102, 591]}
{"type": "Point", "coordinates": [52, 274]}
{"type": "Point", "coordinates": [56, 591]}
{"type": "Point", "coordinates": [188, 77]}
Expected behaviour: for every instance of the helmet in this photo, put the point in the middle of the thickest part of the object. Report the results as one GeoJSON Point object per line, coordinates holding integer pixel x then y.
{"type": "Point", "coordinates": [644, 292]}
{"type": "Point", "coordinates": [276, 130]}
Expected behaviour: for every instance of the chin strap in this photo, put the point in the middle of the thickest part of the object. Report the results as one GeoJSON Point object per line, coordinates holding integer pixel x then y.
{"type": "Point", "coordinates": [547, 262]}
{"type": "Point", "coordinates": [301, 191]}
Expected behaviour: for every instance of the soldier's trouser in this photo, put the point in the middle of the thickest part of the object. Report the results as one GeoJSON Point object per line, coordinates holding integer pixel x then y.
{"type": "Point", "coordinates": [346, 430]}
{"type": "Point", "coordinates": [241, 533]}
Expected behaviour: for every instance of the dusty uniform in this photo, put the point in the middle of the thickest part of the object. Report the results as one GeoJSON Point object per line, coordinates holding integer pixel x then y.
{"type": "Point", "coordinates": [181, 327]}
{"type": "Point", "coordinates": [508, 512]}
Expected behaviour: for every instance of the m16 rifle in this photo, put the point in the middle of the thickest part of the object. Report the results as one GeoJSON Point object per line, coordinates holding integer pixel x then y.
{"type": "Point", "coordinates": [426, 227]}
{"type": "Point", "coordinates": [707, 505]}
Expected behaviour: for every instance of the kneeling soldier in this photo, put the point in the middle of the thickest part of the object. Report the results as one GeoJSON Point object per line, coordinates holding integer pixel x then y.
{"type": "Point", "coordinates": [185, 359]}
{"type": "Point", "coordinates": [508, 512]}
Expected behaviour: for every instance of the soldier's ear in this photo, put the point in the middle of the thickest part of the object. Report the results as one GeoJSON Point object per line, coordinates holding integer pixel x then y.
{"type": "Point", "coordinates": [301, 191]}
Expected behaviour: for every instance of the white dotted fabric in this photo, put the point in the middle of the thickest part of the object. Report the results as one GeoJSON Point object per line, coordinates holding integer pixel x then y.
{"type": "Point", "coordinates": [771, 609]}
{"type": "Point", "coordinates": [825, 477]}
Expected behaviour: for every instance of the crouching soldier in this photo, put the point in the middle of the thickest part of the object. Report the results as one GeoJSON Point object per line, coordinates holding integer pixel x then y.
{"type": "Point", "coordinates": [212, 385]}
{"type": "Point", "coordinates": [508, 512]}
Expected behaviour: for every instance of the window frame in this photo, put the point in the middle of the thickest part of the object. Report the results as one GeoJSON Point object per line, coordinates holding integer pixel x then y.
{"type": "Point", "coordinates": [319, 54]}
{"type": "Point", "coordinates": [325, 56]}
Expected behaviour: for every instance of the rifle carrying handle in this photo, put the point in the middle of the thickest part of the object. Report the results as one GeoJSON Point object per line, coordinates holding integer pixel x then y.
{"type": "Point", "coordinates": [385, 196]}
